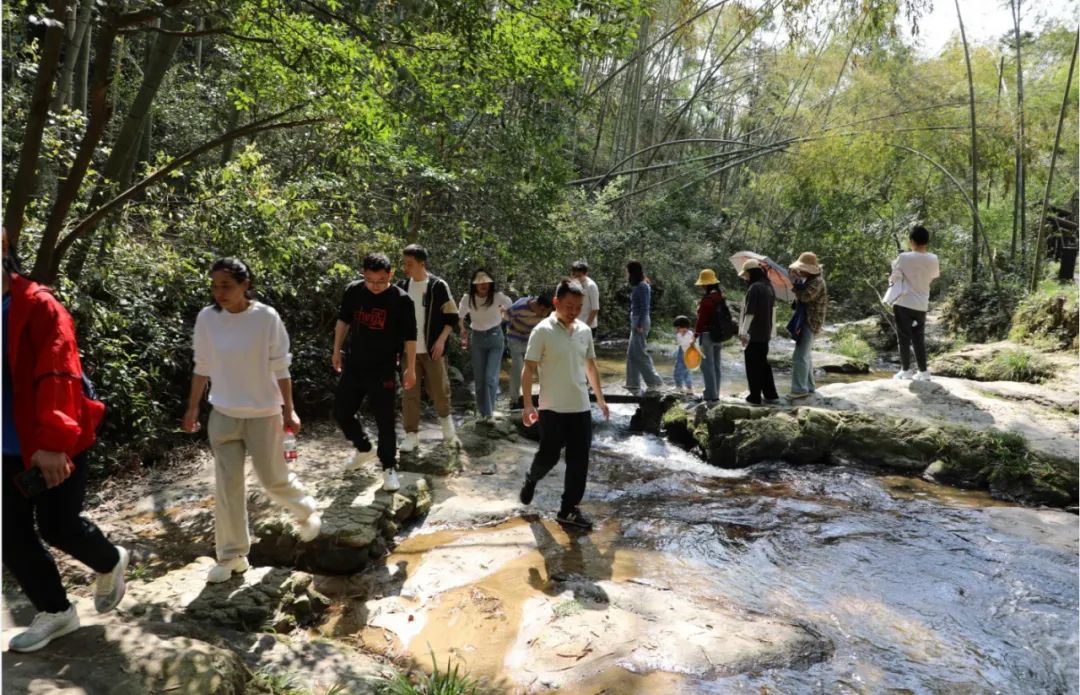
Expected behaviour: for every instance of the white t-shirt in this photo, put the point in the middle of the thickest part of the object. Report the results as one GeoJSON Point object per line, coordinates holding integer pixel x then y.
{"type": "Point", "coordinates": [561, 354]}
{"type": "Point", "coordinates": [484, 317]}
{"type": "Point", "coordinates": [417, 290]}
{"type": "Point", "coordinates": [684, 340]}
{"type": "Point", "coordinates": [244, 354]}
{"type": "Point", "coordinates": [591, 302]}
{"type": "Point", "coordinates": [917, 269]}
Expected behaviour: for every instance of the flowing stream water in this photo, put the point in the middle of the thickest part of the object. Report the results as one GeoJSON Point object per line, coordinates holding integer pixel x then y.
{"type": "Point", "coordinates": [918, 588]}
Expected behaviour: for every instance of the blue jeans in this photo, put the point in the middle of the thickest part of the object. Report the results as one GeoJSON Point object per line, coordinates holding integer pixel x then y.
{"type": "Point", "coordinates": [639, 365]}
{"type": "Point", "coordinates": [486, 350]}
{"type": "Point", "coordinates": [682, 373]}
{"type": "Point", "coordinates": [710, 367]}
{"type": "Point", "coordinates": [517, 362]}
{"type": "Point", "coordinates": [802, 369]}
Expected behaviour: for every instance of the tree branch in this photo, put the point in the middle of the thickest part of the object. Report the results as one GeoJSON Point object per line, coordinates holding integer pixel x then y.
{"type": "Point", "coordinates": [91, 220]}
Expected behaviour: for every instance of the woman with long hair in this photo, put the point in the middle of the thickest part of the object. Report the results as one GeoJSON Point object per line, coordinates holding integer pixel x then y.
{"type": "Point", "coordinates": [242, 349]}
{"type": "Point", "coordinates": [484, 306]}
{"type": "Point", "coordinates": [639, 365]}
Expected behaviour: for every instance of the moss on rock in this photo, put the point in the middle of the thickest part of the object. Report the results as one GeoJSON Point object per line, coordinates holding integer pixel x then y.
{"type": "Point", "coordinates": [733, 435]}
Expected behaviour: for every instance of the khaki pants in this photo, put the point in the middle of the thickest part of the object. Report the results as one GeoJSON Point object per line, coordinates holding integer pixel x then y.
{"type": "Point", "coordinates": [433, 373]}
{"type": "Point", "coordinates": [231, 439]}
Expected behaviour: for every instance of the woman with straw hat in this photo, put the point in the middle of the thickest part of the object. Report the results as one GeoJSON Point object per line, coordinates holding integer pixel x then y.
{"type": "Point", "coordinates": [706, 331]}
{"type": "Point", "coordinates": [810, 300]}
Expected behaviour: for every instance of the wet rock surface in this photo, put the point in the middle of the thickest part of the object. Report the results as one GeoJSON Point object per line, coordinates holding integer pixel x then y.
{"type": "Point", "coordinates": [737, 435]}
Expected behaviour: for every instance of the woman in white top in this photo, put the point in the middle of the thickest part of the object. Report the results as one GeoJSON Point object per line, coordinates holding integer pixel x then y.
{"type": "Point", "coordinates": [484, 306]}
{"type": "Point", "coordinates": [909, 287]}
{"type": "Point", "coordinates": [242, 349]}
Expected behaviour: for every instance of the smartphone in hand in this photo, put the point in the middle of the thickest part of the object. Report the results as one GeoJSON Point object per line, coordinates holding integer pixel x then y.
{"type": "Point", "coordinates": [31, 482]}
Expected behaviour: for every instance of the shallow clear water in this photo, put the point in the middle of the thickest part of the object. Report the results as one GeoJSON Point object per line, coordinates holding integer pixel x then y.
{"type": "Point", "coordinates": [914, 594]}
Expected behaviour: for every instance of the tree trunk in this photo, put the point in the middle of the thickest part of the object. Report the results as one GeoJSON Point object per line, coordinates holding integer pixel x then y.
{"type": "Point", "coordinates": [120, 166]}
{"type": "Point", "coordinates": [1019, 202]}
{"type": "Point", "coordinates": [72, 55]}
{"type": "Point", "coordinates": [1040, 241]}
{"type": "Point", "coordinates": [82, 70]}
{"type": "Point", "coordinates": [974, 150]}
{"type": "Point", "coordinates": [46, 265]}
{"type": "Point", "coordinates": [25, 181]}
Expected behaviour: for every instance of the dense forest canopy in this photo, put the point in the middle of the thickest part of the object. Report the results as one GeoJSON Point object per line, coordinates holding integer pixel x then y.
{"type": "Point", "coordinates": [142, 140]}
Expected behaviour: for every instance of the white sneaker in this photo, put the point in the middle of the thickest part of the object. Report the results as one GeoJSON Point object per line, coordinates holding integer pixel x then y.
{"type": "Point", "coordinates": [390, 480]}
{"type": "Point", "coordinates": [922, 376]}
{"type": "Point", "coordinates": [904, 374]}
{"type": "Point", "coordinates": [110, 588]}
{"type": "Point", "coordinates": [360, 458]}
{"type": "Point", "coordinates": [412, 440]}
{"type": "Point", "coordinates": [224, 569]}
{"type": "Point", "coordinates": [449, 434]}
{"type": "Point", "coordinates": [309, 528]}
{"type": "Point", "coordinates": [44, 629]}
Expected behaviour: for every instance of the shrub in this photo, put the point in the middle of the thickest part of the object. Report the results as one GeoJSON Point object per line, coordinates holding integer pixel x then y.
{"type": "Point", "coordinates": [851, 345]}
{"type": "Point", "coordinates": [1016, 365]}
{"type": "Point", "coordinates": [446, 682]}
{"type": "Point", "coordinates": [980, 312]}
{"type": "Point", "coordinates": [1050, 316]}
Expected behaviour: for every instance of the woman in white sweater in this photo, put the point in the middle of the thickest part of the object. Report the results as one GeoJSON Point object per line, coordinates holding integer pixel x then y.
{"type": "Point", "coordinates": [242, 349]}
{"type": "Point", "coordinates": [485, 307]}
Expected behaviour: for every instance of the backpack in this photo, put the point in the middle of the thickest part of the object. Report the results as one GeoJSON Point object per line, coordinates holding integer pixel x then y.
{"type": "Point", "coordinates": [721, 326]}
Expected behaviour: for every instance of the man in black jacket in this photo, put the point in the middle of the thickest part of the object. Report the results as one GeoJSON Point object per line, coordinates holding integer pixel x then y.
{"type": "Point", "coordinates": [436, 320]}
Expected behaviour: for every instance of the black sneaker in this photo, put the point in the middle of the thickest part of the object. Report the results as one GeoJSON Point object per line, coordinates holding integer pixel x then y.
{"type": "Point", "coordinates": [575, 518]}
{"type": "Point", "coordinates": [527, 491]}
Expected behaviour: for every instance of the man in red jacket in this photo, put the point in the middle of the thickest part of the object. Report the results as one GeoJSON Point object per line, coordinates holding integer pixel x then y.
{"type": "Point", "coordinates": [49, 423]}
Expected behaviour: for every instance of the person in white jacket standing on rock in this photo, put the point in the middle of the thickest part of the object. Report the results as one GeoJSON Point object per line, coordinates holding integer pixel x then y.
{"type": "Point", "coordinates": [242, 349]}
{"type": "Point", "coordinates": [909, 282]}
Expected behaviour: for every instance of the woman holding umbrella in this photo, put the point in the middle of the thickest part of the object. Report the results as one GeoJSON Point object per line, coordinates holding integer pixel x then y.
{"type": "Point", "coordinates": [755, 330]}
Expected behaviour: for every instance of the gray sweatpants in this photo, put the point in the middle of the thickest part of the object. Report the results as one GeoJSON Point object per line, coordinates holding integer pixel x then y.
{"type": "Point", "coordinates": [231, 439]}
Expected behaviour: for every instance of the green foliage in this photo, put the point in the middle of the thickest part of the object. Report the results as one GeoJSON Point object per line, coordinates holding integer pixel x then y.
{"type": "Point", "coordinates": [980, 312]}
{"type": "Point", "coordinates": [271, 682]}
{"type": "Point", "coordinates": [448, 681]}
{"type": "Point", "coordinates": [1016, 365]}
{"type": "Point", "coordinates": [1050, 317]}
{"type": "Point", "coordinates": [851, 345]}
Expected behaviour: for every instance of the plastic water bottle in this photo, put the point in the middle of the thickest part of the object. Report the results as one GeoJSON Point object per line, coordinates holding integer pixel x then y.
{"type": "Point", "coordinates": [288, 443]}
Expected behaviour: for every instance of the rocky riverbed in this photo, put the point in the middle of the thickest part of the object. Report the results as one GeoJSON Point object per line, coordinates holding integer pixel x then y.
{"type": "Point", "coordinates": [767, 576]}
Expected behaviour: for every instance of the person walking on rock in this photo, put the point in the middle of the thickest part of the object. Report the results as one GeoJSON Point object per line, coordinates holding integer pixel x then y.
{"type": "Point", "coordinates": [522, 317]}
{"type": "Point", "coordinates": [436, 319]}
{"type": "Point", "coordinates": [561, 348]}
{"type": "Point", "coordinates": [713, 326]}
{"type": "Point", "coordinates": [639, 365]}
{"type": "Point", "coordinates": [811, 298]}
{"type": "Point", "coordinates": [242, 349]}
{"type": "Point", "coordinates": [756, 328]}
{"type": "Point", "coordinates": [912, 273]}
{"type": "Point", "coordinates": [49, 423]}
{"type": "Point", "coordinates": [590, 310]}
{"type": "Point", "coordinates": [379, 320]}
{"type": "Point", "coordinates": [483, 305]}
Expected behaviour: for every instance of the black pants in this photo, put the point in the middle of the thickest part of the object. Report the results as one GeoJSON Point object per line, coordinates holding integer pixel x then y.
{"type": "Point", "coordinates": [379, 387]}
{"type": "Point", "coordinates": [61, 525]}
{"type": "Point", "coordinates": [570, 430]}
{"type": "Point", "coordinates": [759, 376]}
{"type": "Point", "coordinates": [911, 332]}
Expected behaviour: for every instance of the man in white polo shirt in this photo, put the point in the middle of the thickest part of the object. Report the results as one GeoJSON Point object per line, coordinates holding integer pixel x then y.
{"type": "Point", "coordinates": [562, 348]}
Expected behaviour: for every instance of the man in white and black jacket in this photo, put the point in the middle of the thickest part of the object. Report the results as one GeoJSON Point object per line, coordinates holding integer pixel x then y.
{"type": "Point", "coordinates": [436, 320]}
